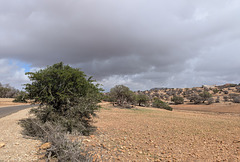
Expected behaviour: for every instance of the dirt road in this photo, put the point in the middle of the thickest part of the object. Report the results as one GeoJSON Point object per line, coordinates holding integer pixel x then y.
{"type": "Point", "coordinates": [4, 111]}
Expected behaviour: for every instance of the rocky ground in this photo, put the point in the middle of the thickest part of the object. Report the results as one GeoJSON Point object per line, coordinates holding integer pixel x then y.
{"type": "Point", "coordinates": [13, 146]}
{"type": "Point", "coordinates": [148, 134]}
{"type": "Point", "coordinates": [141, 134]}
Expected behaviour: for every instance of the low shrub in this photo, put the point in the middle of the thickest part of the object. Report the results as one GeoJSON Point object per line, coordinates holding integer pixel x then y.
{"type": "Point", "coordinates": [210, 101]}
{"type": "Point", "coordinates": [62, 148]}
{"type": "Point", "coordinates": [215, 91]}
{"type": "Point", "coordinates": [217, 100]}
{"type": "Point", "coordinates": [21, 97]}
{"type": "Point", "coordinates": [236, 99]}
{"type": "Point", "coordinates": [195, 98]}
{"type": "Point", "coordinates": [226, 98]}
{"type": "Point", "coordinates": [177, 100]}
{"type": "Point", "coordinates": [160, 104]}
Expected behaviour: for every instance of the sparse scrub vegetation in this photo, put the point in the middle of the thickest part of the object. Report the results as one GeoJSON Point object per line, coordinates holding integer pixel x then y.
{"type": "Point", "coordinates": [160, 104]}
{"type": "Point", "coordinates": [195, 98]}
{"type": "Point", "coordinates": [215, 91]}
{"type": "Point", "coordinates": [205, 95]}
{"type": "Point", "coordinates": [177, 100]}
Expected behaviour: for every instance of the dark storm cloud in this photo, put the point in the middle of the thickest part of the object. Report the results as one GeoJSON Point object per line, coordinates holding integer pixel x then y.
{"type": "Point", "coordinates": [156, 41]}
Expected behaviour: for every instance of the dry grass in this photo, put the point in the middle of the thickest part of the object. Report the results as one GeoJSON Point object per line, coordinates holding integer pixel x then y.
{"type": "Point", "coordinates": [4, 102]}
{"type": "Point", "coordinates": [144, 134]}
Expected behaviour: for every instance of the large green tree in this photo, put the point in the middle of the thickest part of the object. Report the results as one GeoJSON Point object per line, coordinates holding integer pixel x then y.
{"type": "Point", "coordinates": [122, 94]}
{"type": "Point", "coordinates": [65, 96]}
{"type": "Point", "coordinates": [142, 99]}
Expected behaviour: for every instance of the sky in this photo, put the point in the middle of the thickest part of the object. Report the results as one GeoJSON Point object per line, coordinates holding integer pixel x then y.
{"type": "Point", "coordinates": [141, 44]}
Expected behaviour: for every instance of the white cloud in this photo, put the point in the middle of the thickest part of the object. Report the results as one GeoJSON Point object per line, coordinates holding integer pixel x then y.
{"type": "Point", "coordinates": [11, 73]}
{"type": "Point", "coordinates": [140, 43]}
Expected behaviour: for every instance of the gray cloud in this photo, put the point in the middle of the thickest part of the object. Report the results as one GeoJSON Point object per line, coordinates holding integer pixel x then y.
{"type": "Point", "coordinates": [139, 43]}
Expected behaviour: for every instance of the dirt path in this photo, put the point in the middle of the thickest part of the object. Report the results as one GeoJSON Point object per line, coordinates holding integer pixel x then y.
{"type": "Point", "coordinates": [148, 134]}
{"type": "Point", "coordinates": [17, 148]}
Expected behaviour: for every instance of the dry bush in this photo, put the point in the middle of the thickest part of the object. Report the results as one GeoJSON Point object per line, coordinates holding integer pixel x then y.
{"type": "Point", "coordinates": [62, 148]}
{"type": "Point", "coordinates": [236, 99]}
{"type": "Point", "coordinates": [210, 101]}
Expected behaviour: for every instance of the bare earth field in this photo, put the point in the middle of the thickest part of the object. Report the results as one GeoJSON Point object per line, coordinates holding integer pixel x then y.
{"type": "Point", "coordinates": [149, 134]}
{"type": "Point", "coordinates": [4, 102]}
{"type": "Point", "coordinates": [227, 107]}
{"type": "Point", "coordinates": [189, 133]}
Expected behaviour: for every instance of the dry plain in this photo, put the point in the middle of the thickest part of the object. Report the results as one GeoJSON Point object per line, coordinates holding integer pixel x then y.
{"type": "Point", "coordinates": [149, 134]}
{"type": "Point", "coordinates": [188, 133]}
{"type": "Point", "coordinates": [4, 102]}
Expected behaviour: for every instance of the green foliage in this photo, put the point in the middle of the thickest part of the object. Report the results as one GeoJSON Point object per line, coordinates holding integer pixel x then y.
{"type": "Point", "coordinates": [122, 95]}
{"type": "Point", "coordinates": [65, 96]}
{"type": "Point", "coordinates": [215, 91]}
{"type": "Point", "coordinates": [67, 102]}
{"type": "Point", "coordinates": [160, 104]}
{"type": "Point", "coordinates": [177, 100]}
{"type": "Point", "coordinates": [142, 99]}
{"type": "Point", "coordinates": [205, 96]}
{"type": "Point", "coordinates": [107, 98]}
{"type": "Point", "coordinates": [21, 97]}
{"type": "Point", "coordinates": [60, 85]}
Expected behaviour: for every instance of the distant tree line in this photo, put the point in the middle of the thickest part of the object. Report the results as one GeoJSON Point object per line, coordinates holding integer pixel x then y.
{"type": "Point", "coordinates": [6, 91]}
{"type": "Point", "coordinates": [122, 96]}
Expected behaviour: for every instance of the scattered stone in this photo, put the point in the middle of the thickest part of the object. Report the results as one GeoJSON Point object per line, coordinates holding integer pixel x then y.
{"type": "Point", "coordinates": [2, 144]}
{"type": "Point", "coordinates": [236, 141]}
{"type": "Point", "coordinates": [87, 140]}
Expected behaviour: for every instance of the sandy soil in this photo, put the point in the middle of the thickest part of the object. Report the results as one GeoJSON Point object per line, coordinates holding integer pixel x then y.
{"type": "Point", "coordinates": [17, 148]}
{"type": "Point", "coordinates": [4, 102]}
{"type": "Point", "coordinates": [148, 134]}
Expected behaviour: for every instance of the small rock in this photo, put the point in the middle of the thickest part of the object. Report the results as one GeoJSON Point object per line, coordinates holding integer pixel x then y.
{"type": "Point", "coordinates": [104, 146]}
{"type": "Point", "coordinates": [45, 146]}
{"type": "Point", "coordinates": [86, 140]}
{"type": "Point", "coordinates": [2, 144]}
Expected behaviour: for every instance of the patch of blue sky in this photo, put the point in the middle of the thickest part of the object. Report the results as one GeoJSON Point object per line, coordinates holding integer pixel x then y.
{"type": "Point", "coordinates": [20, 64]}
